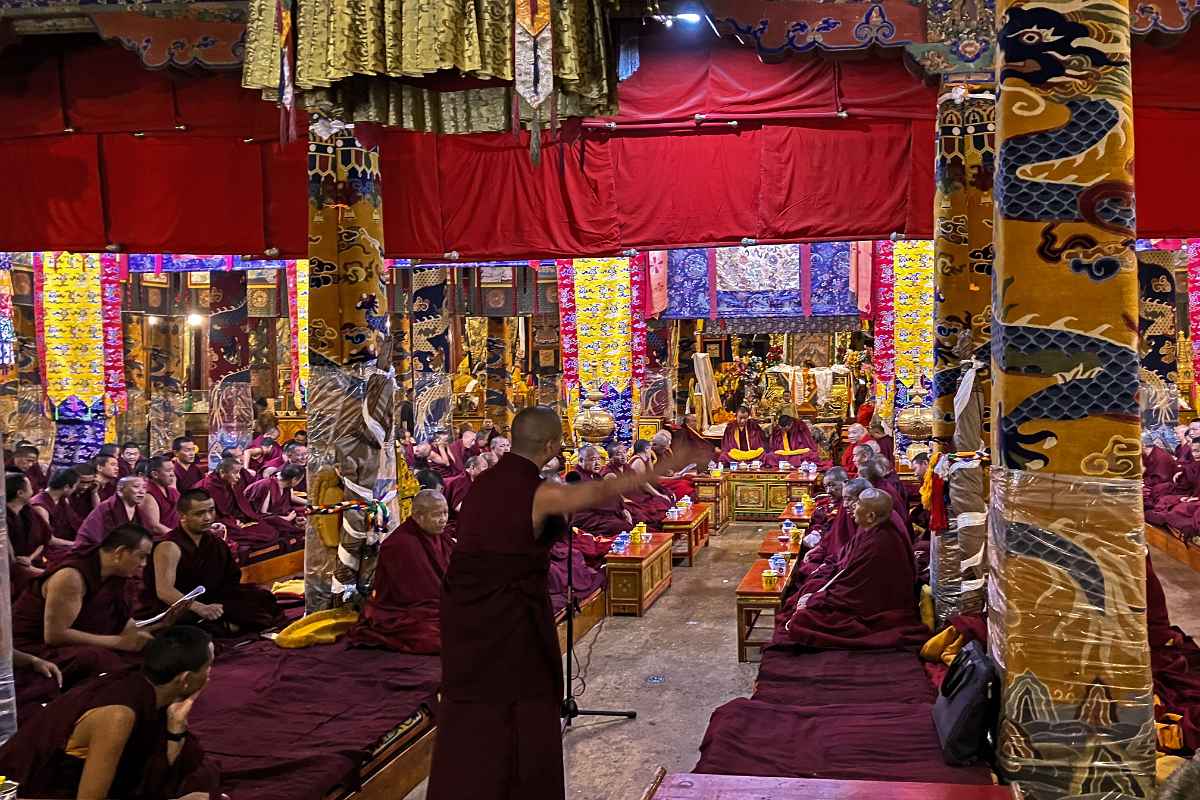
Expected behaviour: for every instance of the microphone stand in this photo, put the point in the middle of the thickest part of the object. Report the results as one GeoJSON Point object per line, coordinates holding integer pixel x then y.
{"type": "Point", "coordinates": [571, 709]}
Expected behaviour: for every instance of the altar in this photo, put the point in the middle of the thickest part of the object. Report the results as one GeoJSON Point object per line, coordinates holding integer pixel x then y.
{"type": "Point", "coordinates": [761, 495]}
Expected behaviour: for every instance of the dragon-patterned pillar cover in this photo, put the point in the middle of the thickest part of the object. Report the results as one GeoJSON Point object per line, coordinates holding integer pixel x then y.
{"type": "Point", "coordinates": [231, 407]}
{"type": "Point", "coordinates": [430, 351]}
{"type": "Point", "coordinates": [350, 414]}
{"type": "Point", "coordinates": [499, 365]}
{"type": "Point", "coordinates": [963, 252]}
{"type": "Point", "coordinates": [1067, 541]}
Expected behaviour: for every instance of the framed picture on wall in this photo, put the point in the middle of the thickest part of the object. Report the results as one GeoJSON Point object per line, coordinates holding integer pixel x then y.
{"type": "Point", "coordinates": [159, 279]}
{"type": "Point", "coordinates": [197, 280]}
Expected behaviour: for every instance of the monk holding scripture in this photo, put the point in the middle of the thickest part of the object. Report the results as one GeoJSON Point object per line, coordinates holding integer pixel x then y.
{"type": "Point", "coordinates": [403, 612]}
{"type": "Point", "coordinates": [192, 555]}
{"type": "Point", "coordinates": [159, 505]}
{"type": "Point", "coordinates": [188, 472]}
{"type": "Point", "coordinates": [502, 689]}
{"type": "Point", "coordinates": [78, 614]}
{"type": "Point", "coordinates": [124, 735]}
{"type": "Point", "coordinates": [871, 601]}
{"type": "Point", "coordinates": [121, 509]}
{"type": "Point", "coordinates": [743, 441]}
{"type": "Point", "coordinates": [247, 527]}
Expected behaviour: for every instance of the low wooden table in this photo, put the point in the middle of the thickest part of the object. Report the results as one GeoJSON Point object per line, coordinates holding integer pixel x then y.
{"type": "Point", "coordinates": [714, 493]}
{"type": "Point", "coordinates": [761, 495]}
{"type": "Point", "coordinates": [801, 519]}
{"type": "Point", "coordinates": [752, 602]}
{"type": "Point", "coordinates": [690, 532]}
{"type": "Point", "coordinates": [771, 545]}
{"type": "Point", "coordinates": [638, 576]}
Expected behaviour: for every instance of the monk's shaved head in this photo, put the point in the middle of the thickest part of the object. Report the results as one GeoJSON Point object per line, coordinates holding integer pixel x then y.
{"type": "Point", "coordinates": [882, 463]}
{"type": "Point", "coordinates": [537, 434]}
{"type": "Point", "coordinates": [427, 499]}
{"type": "Point", "coordinates": [874, 506]}
{"type": "Point", "coordinates": [430, 511]}
{"type": "Point", "coordinates": [835, 479]}
{"type": "Point", "coordinates": [871, 472]}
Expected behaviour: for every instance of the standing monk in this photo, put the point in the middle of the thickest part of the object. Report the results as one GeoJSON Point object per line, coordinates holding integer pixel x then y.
{"type": "Point", "coordinates": [193, 556]}
{"type": "Point", "coordinates": [121, 509]}
{"type": "Point", "coordinates": [501, 666]}
{"type": "Point", "coordinates": [187, 472]}
{"type": "Point", "coordinates": [158, 506]}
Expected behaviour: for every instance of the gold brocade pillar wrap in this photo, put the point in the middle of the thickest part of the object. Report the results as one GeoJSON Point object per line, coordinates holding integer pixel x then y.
{"type": "Point", "coordinates": [165, 343]}
{"type": "Point", "coordinates": [499, 368]}
{"type": "Point", "coordinates": [963, 255]}
{"type": "Point", "coordinates": [1067, 552]}
{"type": "Point", "coordinates": [350, 413]}
{"type": "Point", "coordinates": [132, 424]}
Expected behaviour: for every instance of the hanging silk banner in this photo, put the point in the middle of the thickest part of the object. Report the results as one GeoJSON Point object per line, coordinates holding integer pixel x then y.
{"type": "Point", "coordinates": [1193, 278]}
{"type": "Point", "coordinates": [884, 352]}
{"type": "Point", "coordinates": [297, 286]}
{"type": "Point", "coordinates": [637, 318]}
{"type": "Point", "coordinates": [71, 323]}
{"type": "Point", "coordinates": [656, 274]}
{"type": "Point", "coordinates": [8, 333]}
{"type": "Point", "coordinates": [567, 332]}
{"type": "Point", "coordinates": [1158, 371]}
{"type": "Point", "coordinates": [430, 352]}
{"type": "Point", "coordinates": [114, 335]}
{"type": "Point", "coordinates": [231, 406]}
{"type": "Point", "coordinates": [829, 279]}
{"type": "Point", "coordinates": [760, 281]}
{"type": "Point", "coordinates": [912, 269]}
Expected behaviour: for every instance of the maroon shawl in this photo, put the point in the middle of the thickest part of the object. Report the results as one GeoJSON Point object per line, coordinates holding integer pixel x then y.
{"type": "Point", "coordinates": [403, 612]}
{"type": "Point", "coordinates": [36, 756]}
{"type": "Point", "coordinates": [279, 504]}
{"type": "Point", "coordinates": [686, 436]}
{"type": "Point", "coordinates": [189, 476]}
{"type": "Point", "coordinates": [798, 437]}
{"type": "Point", "coordinates": [607, 519]}
{"type": "Point", "coordinates": [233, 508]}
{"type": "Point", "coordinates": [1158, 468]}
{"type": "Point", "coordinates": [167, 499]}
{"type": "Point", "coordinates": [211, 564]}
{"type": "Point", "coordinates": [26, 531]}
{"type": "Point", "coordinates": [871, 602]}
{"type": "Point", "coordinates": [63, 522]}
{"type": "Point", "coordinates": [107, 517]}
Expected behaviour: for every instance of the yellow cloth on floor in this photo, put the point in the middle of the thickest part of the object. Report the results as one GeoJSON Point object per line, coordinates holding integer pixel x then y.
{"type": "Point", "coordinates": [294, 586]}
{"type": "Point", "coordinates": [323, 627]}
{"type": "Point", "coordinates": [933, 649]}
{"type": "Point", "coordinates": [1165, 766]}
{"type": "Point", "coordinates": [1170, 735]}
{"type": "Point", "coordinates": [745, 455]}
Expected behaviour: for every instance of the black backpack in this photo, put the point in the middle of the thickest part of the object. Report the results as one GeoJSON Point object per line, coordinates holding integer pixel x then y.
{"type": "Point", "coordinates": [968, 707]}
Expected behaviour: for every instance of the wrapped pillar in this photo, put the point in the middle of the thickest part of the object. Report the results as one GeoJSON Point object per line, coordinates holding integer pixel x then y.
{"type": "Point", "coordinates": [132, 423]}
{"type": "Point", "coordinates": [231, 407]}
{"type": "Point", "coordinates": [8, 689]}
{"type": "Point", "coordinates": [963, 253]}
{"type": "Point", "coordinates": [350, 414]}
{"type": "Point", "coordinates": [1067, 552]}
{"type": "Point", "coordinates": [430, 352]}
{"type": "Point", "coordinates": [165, 343]}
{"type": "Point", "coordinates": [499, 368]}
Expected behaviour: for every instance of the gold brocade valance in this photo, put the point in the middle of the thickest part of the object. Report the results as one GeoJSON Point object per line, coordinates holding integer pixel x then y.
{"type": "Point", "coordinates": [353, 56]}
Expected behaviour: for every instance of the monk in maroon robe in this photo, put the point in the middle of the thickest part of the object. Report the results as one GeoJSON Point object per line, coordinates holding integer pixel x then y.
{"type": "Point", "coordinates": [83, 500]}
{"type": "Point", "coordinates": [188, 471]}
{"type": "Point", "coordinates": [456, 489]}
{"type": "Point", "coordinates": [127, 461]}
{"type": "Point", "coordinates": [27, 533]}
{"type": "Point", "coordinates": [403, 612]}
{"type": "Point", "coordinates": [607, 519]}
{"type": "Point", "coordinates": [294, 454]}
{"type": "Point", "coordinates": [744, 436]}
{"type": "Point", "coordinates": [648, 503]}
{"type": "Point", "coordinates": [246, 527]}
{"type": "Point", "coordinates": [416, 454]}
{"type": "Point", "coordinates": [158, 506]}
{"type": "Point", "coordinates": [1158, 468]}
{"type": "Point", "coordinates": [53, 506]}
{"type": "Point", "coordinates": [822, 561]}
{"type": "Point", "coordinates": [502, 689]}
{"type": "Point", "coordinates": [465, 446]}
{"type": "Point", "coordinates": [879, 472]}
{"type": "Point", "coordinates": [441, 457]}
{"type": "Point", "coordinates": [1174, 663]}
{"type": "Point", "coordinates": [1176, 505]}
{"type": "Point", "coordinates": [272, 498]}
{"type": "Point", "coordinates": [792, 441]}
{"type": "Point", "coordinates": [856, 435]}
{"type": "Point", "coordinates": [123, 735]}
{"type": "Point", "coordinates": [25, 459]}
{"type": "Point", "coordinates": [192, 555]}
{"type": "Point", "coordinates": [585, 577]}
{"type": "Point", "coordinates": [121, 509]}
{"type": "Point", "coordinates": [871, 601]}
{"type": "Point", "coordinates": [687, 435]}
{"type": "Point", "coordinates": [108, 473]}
{"type": "Point", "coordinates": [77, 614]}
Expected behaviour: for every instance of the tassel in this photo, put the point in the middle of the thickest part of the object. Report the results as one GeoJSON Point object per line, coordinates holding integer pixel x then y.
{"type": "Point", "coordinates": [516, 115]}
{"type": "Point", "coordinates": [535, 137]}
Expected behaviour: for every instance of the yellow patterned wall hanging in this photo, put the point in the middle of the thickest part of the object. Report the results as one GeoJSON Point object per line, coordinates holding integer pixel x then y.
{"type": "Point", "coordinates": [912, 266]}
{"type": "Point", "coordinates": [72, 327]}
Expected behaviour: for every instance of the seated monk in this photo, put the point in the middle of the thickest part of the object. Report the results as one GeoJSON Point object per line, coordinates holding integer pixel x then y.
{"type": "Point", "coordinates": [1176, 504]}
{"type": "Point", "coordinates": [498, 445]}
{"type": "Point", "coordinates": [605, 520]}
{"type": "Point", "coordinates": [792, 441]}
{"type": "Point", "coordinates": [1175, 665]}
{"type": "Point", "coordinates": [1190, 431]}
{"type": "Point", "coordinates": [25, 459]}
{"type": "Point", "coordinates": [618, 460]}
{"type": "Point", "coordinates": [441, 457]}
{"type": "Point", "coordinates": [679, 485]}
{"type": "Point", "coordinates": [743, 440]}
{"type": "Point", "coordinates": [416, 454]}
{"type": "Point", "coordinates": [128, 459]}
{"type": "Point", "coordinates": [456, 489]}
{"type": "Point", "coordinates": [272, 497]}
{"type": "Point", "coordinates": [871, 601]}
{"type": "Point", "coordinates": [264, 447]}
{"type": "Point", "coordinates": [53, 507]}
{"type": "Point", "coordinates": [77, 613]}
{"type": "Point", "coordinates": [238, 454]}
{"type": "Point", "coordinates": [295, 454]}
{"type": "Point", "coordinates": [586, 575]}
{"type": "Point", "coordinates": [193, 555]}
{"type": "Point", "coordinates": [649, 503]}
{"type": "Point", "coordinates": [1158, 466]}
{"type": "Point", "coordinates": [886, 444]}
{"type": "Point", "coordinates": [878, 471]}
{"type": "Point", "coordinates": [862, 454]}
{"type": "Point", "coordinates": [121, 509]}
{"type": "Point", "coordinates": [856, 435]}
{"type": "Point", "coordinates": [83, 500]}
{"type": "Point", "coordinates": [403, 611]}
{"type": "Point", "coordinates": [122, 736]}
{"type": "Point", "coordinates": [918, 515]}
{"type": "Point", "coordinates": [188, 472]}
{"type": "Point", "coordinates": [466, 446]}
{"type": "Point", "coordinates": [108, 473]}
{"type": "Point", "coordinates": [246, 527]}
{"type": "Point", "coordinates": [158, 506]}
{"type": "Point", "coordinates": [822, 561]}
{"type": "Point", "coordinates": [27, 533]}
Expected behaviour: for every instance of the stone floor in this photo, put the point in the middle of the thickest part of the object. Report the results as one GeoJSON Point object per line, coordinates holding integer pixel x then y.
{"type": "Point", "coordinates": [679, 662]}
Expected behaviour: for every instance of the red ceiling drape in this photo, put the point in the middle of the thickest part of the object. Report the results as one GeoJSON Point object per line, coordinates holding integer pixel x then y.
{"type": "Point", "coordinates": [790, 170]}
